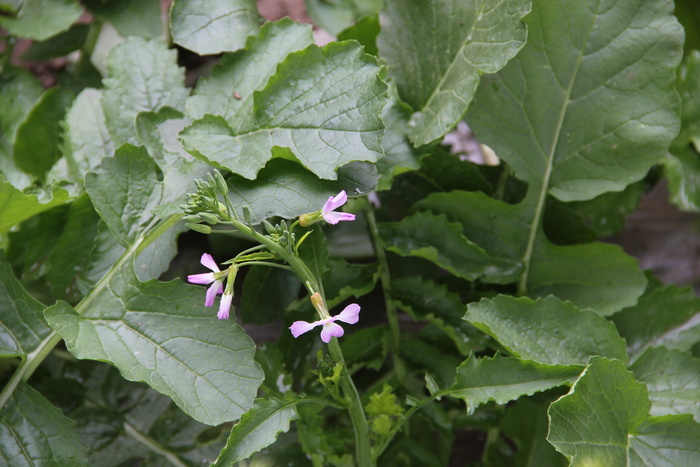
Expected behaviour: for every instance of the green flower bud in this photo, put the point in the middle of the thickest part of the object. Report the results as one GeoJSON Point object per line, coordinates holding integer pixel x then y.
{"type": "Point", "coordinates": [209, 218]}
{"type": "Point", "coordinates": [201, 228]}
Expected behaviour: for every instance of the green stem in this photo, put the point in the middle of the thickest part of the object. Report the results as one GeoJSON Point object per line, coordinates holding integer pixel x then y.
{"type": "Point", "coordinates": [7, 54]}
{"type": "Point", "coordinates": [88, 47]}
{"type": "Point", "coordinates": [385, 278]}
{"type": "Point", "coordinates": [154, 446]}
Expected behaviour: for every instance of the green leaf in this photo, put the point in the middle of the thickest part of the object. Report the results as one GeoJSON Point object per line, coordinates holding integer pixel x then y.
{"type": "Point", "coordinates": [502, 379]}
{"type": "Point", "coordinates": [33, 432]}
{"type": "Point", "coordinates": [258, 429]}
{"type": "Point", "coordinates": [207, 27]}
{"type": "Point", "coordinates": [41, 19]}
{"type": "Point", "coordinates": [604, 420]}
{"type": "Point", "coordinates": [345, 280]}
{"type": "Point", "coordinates": [143, 76]}
{"type": "Point", "coordinates": [438, 74]}
{"type": "Point", "coordinates": [592, 275]}
{"type": "Point", "coordinates": [23, 327]}
{"type": "Point", "coordinates": [129, 17]}
{"type": "Point", "coordinates": [314, 252]}
{"type": "Point", "coordinates": [125, 192]}
{"type": "Point", "coordinates": [365, 31]}
{"type": "Point", "coordinates": [582, 61]}
{"type": "Point", "coordinates": [548, 331]}
{"type": "Point", "coordinates": [86, 139]}
{"type": "Point", "coordinates": [666, 316]}
{"type": "Point", "coordinates": [322, 104]}
{"type": "Point", "coordinates": [37, 140]}
{"type": "Point", "coordinates": [161, 334]}
{"type": "Point", "coordinates": [682, 164]}
{"type": "Point", "coordinates": [285, 189]}
{"type": "Point", "coordinates": [336, 15]}
{"type": "Point", "coordinates": [267, 292]}
{"type": "Point", "coordinates": [59, 45]}
{"type": "Point", "coordinates": [230, 88]}
{"type": "Point", "coordinates": [435, 239]}
{"type": "Point", "coordinates": [16, 206]}
{"type": "Point", "coordinates": [671, 377]}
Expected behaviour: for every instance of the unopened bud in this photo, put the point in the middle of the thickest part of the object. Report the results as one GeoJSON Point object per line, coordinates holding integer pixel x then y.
{"type": "Point", "coordinates": [192, 219]}
{"type": "Point", "coordinates": [201, 228]}
{"type": "Point", "coordinates": [209, 218]}
{"type": "Point", "coordinates": [220, 182]}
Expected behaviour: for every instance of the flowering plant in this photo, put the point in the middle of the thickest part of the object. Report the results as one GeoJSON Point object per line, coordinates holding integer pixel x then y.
{"type": "Point", "coordinates": [382, 250]}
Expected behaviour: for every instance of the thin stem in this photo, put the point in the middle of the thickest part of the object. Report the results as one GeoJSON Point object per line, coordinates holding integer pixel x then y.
{"type": "Point", "coordinates": [153, 445]}
{"type": "Point", "coordinates": [385, 278]}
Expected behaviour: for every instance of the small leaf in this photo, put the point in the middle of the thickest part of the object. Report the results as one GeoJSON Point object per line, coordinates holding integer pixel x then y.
{"type": "Point", "coordinates": [37, 141]}
{"type": "Point", "coordinates": [161, 334]}
{"type": "Point", "coordinates": [474, 37]}
{"type": "Point", "coordinates": [322, 104]}
{"type": "Point", "coordinates": [129, 17]}
{"type": "Point", "coordinates": [502, 379]}
{"type": "Point", "coordinates": [33, 431]}
{"type": "Point", "coordinates": [17, 206]}
{"type": "Point", "coordinates": [86, 138]}
{"type": "Point", "coordinates": [143, 76]}
{"type": "Point", "coordinates": [671, 377]}
{"type": "Point", "coordinates": [435, 239]}
{"type": "Point", "coordinates": [125, 192]}
{"type": "Point", "coordinates": [548, 331]}
{"type": "Point", "coordinates": [604, 420]}
{"type": "Point", "coordinates": [666, 316]}
{"type": "Point", "coordinates": [207, 27]}
{"type": "Point", "coordinates": [41, 19]}
{"type": "Point", "coordinates": [257, 429]}
{"type": "Point", "coordinates": [23, 327]}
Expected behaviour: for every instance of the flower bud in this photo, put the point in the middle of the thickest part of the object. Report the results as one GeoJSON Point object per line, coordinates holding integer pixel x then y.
{"type": "Point", "coordinates": [201, 228]}
{"type": "Point", "coordinates": [209, 218]}
{"type": "Point", "coordinates": [221, 184]}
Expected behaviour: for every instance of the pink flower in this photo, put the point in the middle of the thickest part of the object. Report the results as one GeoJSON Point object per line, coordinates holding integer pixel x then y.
{"type": "Point", "coordinates": [216, 281]}
{"type": "Point", "coordinates": [332, 204]}
{"type": "Point", "coordinates": [225, 306]}
{"type": "Point", "coordinates": [350, 315]}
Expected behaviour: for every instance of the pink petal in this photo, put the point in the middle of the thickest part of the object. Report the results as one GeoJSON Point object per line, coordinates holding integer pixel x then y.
{"type": "Point", "coordinates": [335, 202]}
{"type": "Point", "coordinates": [216, 288]}
{"type": "Point", "coordinates": [224, 306]}
{"type": "Point", "coordinates": [335, 217]}
{"type": "Point", "coordinates": [331, 330]}
{"type": "Point", "coordinates": [350, 315]}
{"type": "Point", "coordinates": [203, 278]}
{"type": "Point", "coordinates": [300, 327]}
{"type": "Point", "coordinates": [209, 262]}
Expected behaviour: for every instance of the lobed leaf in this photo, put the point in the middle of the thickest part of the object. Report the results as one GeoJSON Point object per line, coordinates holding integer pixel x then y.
{"type": "Point", "coordinates": [604, 420]}
{"type": "Point", "coordinates": [161, 334]}
{"type": "Point", "coordinates": [209, 27]}
{"type": "Point", "coordinates": [322, 104]}
{"type": "Point", "coordinates": [438, 73]}
{"type": "Point", "coordinates": [547, 331]}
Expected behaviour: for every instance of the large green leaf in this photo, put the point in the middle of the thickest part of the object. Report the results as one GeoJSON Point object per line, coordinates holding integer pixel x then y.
{"type": "Point", "coordinates": [142, 76]}
{"type": "Point", "coordinates": [23, 327]}
{"type": "Point", "coordinates": [592, 275]}
{"type": "Point", "coordinates": [435, 239]}
{"type": "Point", "coordinates": [671, 377]}
{"type": "Point", "coordinates": [548, 330]}
{"type": "Point", "coordinates": [17, 206]}
{"type": "Point", "coordinates": [34, 432]}
{"type": "Point", "coordinates": [129, 17]}
{"type": "Point", "coordinates": [41, 19]}
{"type": "Point", "coordinates": [666, 316]}
{"type": "Point", "coordinates": [502, 379]}
{"type": "Point", "coordinates": [213, 26]}
{"type": "Point", "coordinates": [161, 333]}
{"type": "Point", "coordinates": [323, 104]}
{"type": "Point", "coordinates": [438, 73]}
{"type": "Point", "coordinates": [604, 420]}
{"type": "Point", "coordinates": [37, 140]}
{"type": "Point", "coordinates": [258, 429]}
{"type": "Point", "coordinates": [336, 15]}
{"type": "Point", "coordinates": [682, 164]}
{"type": "Point", "coordinates": [588, 105]}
